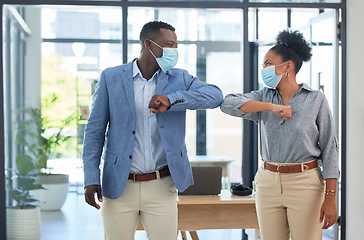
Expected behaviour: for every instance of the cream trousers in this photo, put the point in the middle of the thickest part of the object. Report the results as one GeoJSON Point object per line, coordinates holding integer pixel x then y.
{"type": "Point", "coordinates": [154, 201]}
{"type": "Point", "coordinates": [288, 205]}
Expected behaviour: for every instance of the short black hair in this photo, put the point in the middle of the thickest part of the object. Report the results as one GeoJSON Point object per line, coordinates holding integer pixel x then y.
{"type": "Point", "coordinates": [152, 29]}
{"type": "Point", "coordinates": [292, 46]}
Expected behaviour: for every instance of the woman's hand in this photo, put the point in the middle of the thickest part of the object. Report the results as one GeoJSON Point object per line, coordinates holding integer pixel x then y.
{"type": "Point", "coordinates": [282, 111]}
{"type": "Point", "coordinates": [328, 213]}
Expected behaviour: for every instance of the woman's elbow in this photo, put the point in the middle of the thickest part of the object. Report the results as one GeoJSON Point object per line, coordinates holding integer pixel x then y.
{"type": "Point", "coordinates": [226, 107]}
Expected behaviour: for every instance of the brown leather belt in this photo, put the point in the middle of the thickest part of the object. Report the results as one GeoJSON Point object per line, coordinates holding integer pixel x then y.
{"type": "Point", "coordinates": [143, 177]}
{"type": "Point", "coordinates": [297, 168]}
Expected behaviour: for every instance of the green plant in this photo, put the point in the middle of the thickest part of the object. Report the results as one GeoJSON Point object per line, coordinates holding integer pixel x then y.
{"type": "Point", "coordinates": [25, 176]}
{"type": "Point", "coordinates": [33, 128]}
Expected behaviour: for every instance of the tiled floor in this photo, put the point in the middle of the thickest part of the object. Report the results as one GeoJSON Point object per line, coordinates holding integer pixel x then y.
{"type": "Point", "coordinates": [78, 221]}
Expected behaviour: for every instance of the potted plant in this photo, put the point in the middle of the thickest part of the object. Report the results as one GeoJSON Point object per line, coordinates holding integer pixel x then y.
{"type": "Point", "coordinates": [23, 219]}
{"type": "Point", "coordinates": [32, 134]}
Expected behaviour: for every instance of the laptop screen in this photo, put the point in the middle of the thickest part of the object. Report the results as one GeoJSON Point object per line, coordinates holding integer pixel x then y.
{"type": "Point", "coordinates": [207, 181]}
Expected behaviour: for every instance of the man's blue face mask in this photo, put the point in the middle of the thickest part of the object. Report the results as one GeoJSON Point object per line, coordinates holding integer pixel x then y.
{"type": "Point", "coordinates": [169, 58]}
{"type": "Point", "coordinates": [269, 76]}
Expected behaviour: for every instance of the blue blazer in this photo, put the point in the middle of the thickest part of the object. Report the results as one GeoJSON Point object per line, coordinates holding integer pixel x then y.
{"type": "Point", "coordinates": [110, 129]}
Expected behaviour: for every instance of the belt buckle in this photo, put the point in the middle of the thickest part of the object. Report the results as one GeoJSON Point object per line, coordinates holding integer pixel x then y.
{"type": "Point", "coordinates": [304, 167]}
{"type": "Point", "coordinates": [136, 174]}
{"type": "Point", "coordinates": [157, 174]}
{"type": "Point", "coordinates": [278, 167]}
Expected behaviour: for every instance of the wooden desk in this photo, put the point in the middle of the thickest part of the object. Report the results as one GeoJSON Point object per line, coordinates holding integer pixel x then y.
{"type": "Point", "coordinates": [220, 161]}
{"type": "Point", "coordinates": [224, 211]}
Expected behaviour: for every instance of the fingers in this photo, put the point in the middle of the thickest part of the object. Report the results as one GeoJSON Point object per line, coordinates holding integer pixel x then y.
{"type": "Point", "coordinates": [285, 114]}
{"type": "Point", "coordinates": [327, 220]}
{"type": "Point", "coordinates": [90, 199]}
{"type": "Point", "coordinates": [330, 221]}
{"type": "Point", "coordinates": [159, 104]}
{"type": "Point", "coordinates": [160, 109]}
{"type": "Point", "coordinates": [154, 102]}
{"type": "Point", "coordinates": [99, 195]}
{"type": "Point", "coordinates": [283, 111]}
{"type": "Point", "coordinates": [321, 216]}
{"type": "Point", "coordinates": [90, 195]}
{"type": "Point", "coordinates": [164, 100]}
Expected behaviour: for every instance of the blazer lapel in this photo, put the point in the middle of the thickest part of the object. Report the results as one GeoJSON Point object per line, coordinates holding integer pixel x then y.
{"type": "Point", "coordinates": [161, 83]}
{"type": "Point", "coordinates": [127, 81]}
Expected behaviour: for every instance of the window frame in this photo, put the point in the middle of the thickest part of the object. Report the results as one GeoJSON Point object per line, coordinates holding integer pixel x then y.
{"type": "Point", "coordinates": [247, 71]}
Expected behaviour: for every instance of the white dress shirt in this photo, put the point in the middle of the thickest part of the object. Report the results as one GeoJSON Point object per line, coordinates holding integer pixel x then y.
{"type": "Point", "coordinates": [149, 154]}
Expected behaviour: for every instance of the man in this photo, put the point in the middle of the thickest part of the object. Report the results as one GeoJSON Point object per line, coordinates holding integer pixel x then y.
{"type": "Point", "coordinates": [137, 124]}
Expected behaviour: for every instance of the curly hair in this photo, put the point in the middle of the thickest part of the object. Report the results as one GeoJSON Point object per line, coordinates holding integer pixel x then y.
{"type": "Point", "coordinates": [292, 46]}
{"type": "Point", "coordinates": [152, 29]}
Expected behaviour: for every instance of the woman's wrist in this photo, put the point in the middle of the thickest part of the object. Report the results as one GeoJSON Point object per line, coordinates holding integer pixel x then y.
{"type": "Point", "coordinates": [271, 107]}
{"type": "Point", "coordinates": [330, 199]}
{"type": "Point", "coordinates": [330, 192]}
{"type": "Point", "coordinates": [330, 189]}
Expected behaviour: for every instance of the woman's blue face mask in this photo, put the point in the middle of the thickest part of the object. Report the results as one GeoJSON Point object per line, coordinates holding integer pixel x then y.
{"type": "Point", "coordinates": [169, 58]}
{"type": "Point", "coordinates": [269, 76]}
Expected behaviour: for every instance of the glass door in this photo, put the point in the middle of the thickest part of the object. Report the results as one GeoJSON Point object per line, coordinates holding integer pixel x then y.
{"type": "Point", "coordinates": [324, 71]}
{"type": "Point", "coordinates": [325, 58]}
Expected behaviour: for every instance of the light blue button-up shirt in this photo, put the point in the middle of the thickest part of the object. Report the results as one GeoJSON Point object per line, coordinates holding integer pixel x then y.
{"type": "Point", "coordinates": [149, 154]}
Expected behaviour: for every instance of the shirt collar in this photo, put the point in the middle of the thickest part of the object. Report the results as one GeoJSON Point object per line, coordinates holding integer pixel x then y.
{"type": "Point", "coordinates": [302, 86]}
{"type": "Point", "coordinates": [136, 70]}
{"type": "Point", "coordinates": [305, 86]}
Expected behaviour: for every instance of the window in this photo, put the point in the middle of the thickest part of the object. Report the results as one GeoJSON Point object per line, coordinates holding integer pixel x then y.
{"type": "Point", "coordinates": [211, 51]}
{"type": "Point", "coordinates": [84, 40]}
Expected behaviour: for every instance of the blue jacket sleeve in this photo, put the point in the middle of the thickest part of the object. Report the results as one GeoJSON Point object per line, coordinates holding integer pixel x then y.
{"type": "Point", "coordinates": [233, 101]}
{"type": "Point", "coordinates": [95, 133]}
{"type": "Point", "coordinates": [198, 95]}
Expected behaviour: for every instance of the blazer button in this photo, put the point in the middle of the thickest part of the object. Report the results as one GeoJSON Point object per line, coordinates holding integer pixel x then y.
{"type": "Point", "coordinates": [133, 132]}
{"type": "Point", "coordinates": [130, 156]}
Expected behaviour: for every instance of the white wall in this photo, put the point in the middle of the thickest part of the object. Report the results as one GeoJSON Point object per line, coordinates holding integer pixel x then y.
{"type": "Point", "coordinates": [355, 121]}
{"type": "Point", "coordinates": [33, 57]}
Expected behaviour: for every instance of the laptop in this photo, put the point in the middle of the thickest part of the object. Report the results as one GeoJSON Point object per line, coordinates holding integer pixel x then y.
{"type": "Point", "coordinates": [207, 181]}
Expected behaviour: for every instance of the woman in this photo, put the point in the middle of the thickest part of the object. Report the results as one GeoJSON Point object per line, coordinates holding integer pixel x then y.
{"type": "Point", "coordinates": [296, 130]}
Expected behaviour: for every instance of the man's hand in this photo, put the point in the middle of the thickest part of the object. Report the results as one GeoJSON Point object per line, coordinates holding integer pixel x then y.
{"type": "Point", "coordinates": [90, 195]}
{"type": "Point", "coordinates": [328, 213]}
{"type": "Point", "coordinates": [282, 111]}
{"type": "Point", "coordinates": [159, 103]}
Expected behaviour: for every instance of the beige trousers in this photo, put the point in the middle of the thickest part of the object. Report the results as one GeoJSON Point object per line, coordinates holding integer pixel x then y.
{"type": "Point", "coordinates": [288, 205]}
{"type": "Point", "coordinates": [154, 201]}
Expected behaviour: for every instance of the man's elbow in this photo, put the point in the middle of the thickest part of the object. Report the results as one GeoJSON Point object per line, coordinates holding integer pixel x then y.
{"type": "Point", "coordinates": [218, 97]}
